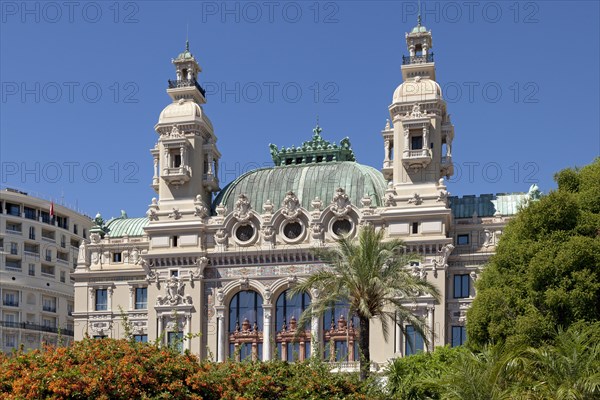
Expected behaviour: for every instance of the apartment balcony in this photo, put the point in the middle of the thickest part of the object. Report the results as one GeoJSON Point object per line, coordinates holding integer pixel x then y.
{"type": "Point", "coordinates": [210, 182]}
{"type": "Point", "coordinates": [416, 158]}
{"type": "Point", "coordinates": [177, 176]}
{"type": "Point", "coordinates": [420, 59]}
{"type": "Point", "coordinates": [10, 303]}
{"type": "Point", "coordinates": [36, 327]}
{"type": "Point", "coordinates": [48, 308]}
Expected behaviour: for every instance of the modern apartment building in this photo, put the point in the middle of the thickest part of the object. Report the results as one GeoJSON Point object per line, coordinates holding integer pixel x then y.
{"type": "Point", "coordinates": [39, 243]}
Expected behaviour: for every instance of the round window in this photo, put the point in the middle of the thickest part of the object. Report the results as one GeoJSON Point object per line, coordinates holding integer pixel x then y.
{"type": "Point", "coordinates": [292, 230]}
{"type": "Point", "coordinates": [244, 233]}
{"type": "Point", "coordinates": [341, 227]}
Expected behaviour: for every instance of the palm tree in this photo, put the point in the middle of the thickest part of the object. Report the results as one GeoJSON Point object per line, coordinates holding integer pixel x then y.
{"type": "Point", "coordinates": [567, 368]}
{"type": "Point", "coordinates": [370, 275]}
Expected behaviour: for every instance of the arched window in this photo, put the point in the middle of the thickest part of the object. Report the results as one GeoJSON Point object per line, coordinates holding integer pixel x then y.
{"type": "Point", "coordinates": [339, 334]}
{"type": "Point", "coordinates": [290, 345]}
{"type": "Point", "coordinates": [245, 326]}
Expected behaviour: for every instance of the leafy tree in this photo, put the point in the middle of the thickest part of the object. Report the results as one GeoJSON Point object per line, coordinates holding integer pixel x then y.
{"type": "Point", "coordinates": [417, 376]}
{"type": "Point", "coordinates": [567, 368]}
{"type": "Point", "coordinates": [546, 271]}
{"type": "Point", "coordinates": [369, 275]}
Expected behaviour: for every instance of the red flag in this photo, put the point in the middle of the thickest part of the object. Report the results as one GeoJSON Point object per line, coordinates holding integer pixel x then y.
{"type": "Point", "coordinates": [52, 209]}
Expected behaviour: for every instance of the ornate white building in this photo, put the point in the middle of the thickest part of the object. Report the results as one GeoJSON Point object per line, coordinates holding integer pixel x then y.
{"type": "Point", "coordinates": [217, 262]}
{"type": "Point", "coordinates": [39, 243]}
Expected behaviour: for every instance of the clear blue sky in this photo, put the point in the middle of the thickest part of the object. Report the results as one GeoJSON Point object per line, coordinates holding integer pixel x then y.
{"type": "Point", "coordinates": [521, 80]}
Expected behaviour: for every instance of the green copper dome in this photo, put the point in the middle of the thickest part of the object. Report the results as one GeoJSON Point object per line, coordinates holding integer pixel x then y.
{"type": "Point", "coordinates": [119, 227]}
{"type": "Point", "coordinates": [186, 55]}
{"type": "Point", "coordinates": [419, 28]}
{"type": "Point", "coordinates": [307, 181]}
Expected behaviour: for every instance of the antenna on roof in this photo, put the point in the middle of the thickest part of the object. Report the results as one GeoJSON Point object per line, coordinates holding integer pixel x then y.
{"type": "Point", "coordinates": [419, 16]}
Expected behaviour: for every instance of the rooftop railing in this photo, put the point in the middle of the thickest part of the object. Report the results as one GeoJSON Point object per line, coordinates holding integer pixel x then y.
{"type": "Point", "coordinates": [173, 84]}
{"type": "Point", "coordinates": [420, 59]}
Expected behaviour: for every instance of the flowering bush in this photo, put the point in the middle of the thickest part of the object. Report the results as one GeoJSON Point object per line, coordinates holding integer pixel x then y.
{"type": "Point", "coordinates": [120, 369]}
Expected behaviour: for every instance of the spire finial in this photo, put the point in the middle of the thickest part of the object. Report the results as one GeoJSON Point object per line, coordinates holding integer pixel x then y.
{"type": "Point", "coordinates": [187, 37]}
{"type": "Point", "coordinates": [419, 16]}
{"type": "Point", "coordinates": [317, 130]}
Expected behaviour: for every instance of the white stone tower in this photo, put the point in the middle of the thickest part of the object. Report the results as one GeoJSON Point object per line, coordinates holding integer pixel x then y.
{"type": "Point", "coordinates": [419, 141]}
{"type": "Point", "coordinates": [186, 156]}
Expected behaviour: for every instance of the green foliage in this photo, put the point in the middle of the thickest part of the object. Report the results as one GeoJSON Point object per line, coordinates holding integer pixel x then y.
{"type": "Point", "coordinates": [546, 271]}
{"type": "Point", "coordinates": [121, 369]}
{"type": "Point", "coordinates": [567, 368]}
{"type": "Point", "coordinates": [417, 377]}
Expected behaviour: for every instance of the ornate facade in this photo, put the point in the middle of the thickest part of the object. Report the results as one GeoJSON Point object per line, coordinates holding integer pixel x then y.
{"type": "Point", "coordinates": [218, 262]}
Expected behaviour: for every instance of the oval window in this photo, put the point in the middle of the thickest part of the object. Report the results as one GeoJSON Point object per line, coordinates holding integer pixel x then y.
{"type": "Point", "coordinates": [341, 227]}
{"type": "Point", "coordinates": [292, 230]}
{"type": "Point", "coordinates": [244, 233]}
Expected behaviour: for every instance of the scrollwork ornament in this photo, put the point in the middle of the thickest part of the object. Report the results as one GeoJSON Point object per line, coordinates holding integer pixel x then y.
{"type": "Point", "coordinates": [242, 208]}
{"type": "Point", "coordinates": [291, 206]}
{"type": "Point", "coordinates": [176, 214]}
{"type": "Point", "coordinates": [340, 205]}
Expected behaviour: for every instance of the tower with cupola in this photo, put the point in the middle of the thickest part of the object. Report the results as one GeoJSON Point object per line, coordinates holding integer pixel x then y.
{"type": "Point", "coordinates": [418, 141]}
{"type": "Point", "coordinates": [186, 157]}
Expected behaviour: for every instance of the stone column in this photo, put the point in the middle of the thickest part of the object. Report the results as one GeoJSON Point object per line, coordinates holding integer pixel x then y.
{"type": "Point", "coordinates": [315, 328]}
{"type": "Point", "coordinates": [160, 329]}
{"type": "Point", "coordinates": [182, 161]}
{"type": "Point", "coordinates": [188, 331]}
{"type": "Point", "coordinates": [430, 325]}
{"type": "Point", "coordinates": [167, 159]}
{"type": "Point", "coordinates": [221, 339]}
{"type": "Point", "coordinates": [91, 292]}
{"type": "Point", "coordinates": [210, 164]}
{"type": "Point", "coordinates": [386, 151]}
{"type": "Point", "coordinates": [109, 294]}
{"type": "Point", "coordinates": [131, 297]}
{"type": "Point", "coordinates": [155, 177]}
{"type": "Point", "coordinates": [398, 336]}
{"type": "Point", "coordinates": [267, 313]}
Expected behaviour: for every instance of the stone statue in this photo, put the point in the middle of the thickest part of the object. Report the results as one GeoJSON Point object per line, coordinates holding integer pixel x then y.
{"type": "Point", "coordinates": [444, 254]}
{"type": "Point", "coordinates": [174, 293]}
